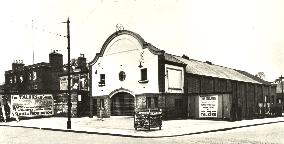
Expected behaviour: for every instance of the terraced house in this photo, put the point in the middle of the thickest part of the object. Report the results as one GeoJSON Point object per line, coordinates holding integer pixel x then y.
{"type": "Point", "coordinates": [130, 74]}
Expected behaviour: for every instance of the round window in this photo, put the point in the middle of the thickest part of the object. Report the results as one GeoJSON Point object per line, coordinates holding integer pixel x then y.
{"type": "Point", "coordinates": [122, 76]}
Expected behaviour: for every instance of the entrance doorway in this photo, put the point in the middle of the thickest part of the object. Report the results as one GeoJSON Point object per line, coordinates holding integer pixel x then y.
{"type": "Point", "coordinates": [122, 104]}
{"type": "Point", "coordinates": [95, 106]}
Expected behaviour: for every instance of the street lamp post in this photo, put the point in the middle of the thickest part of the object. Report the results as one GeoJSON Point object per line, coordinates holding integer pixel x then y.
{"type": "Point", "coordinates": [282, 99]}
{"type": "Point", "coordinates": [281, 82]}
{"type": "Point", "coordinates": [69, 104]}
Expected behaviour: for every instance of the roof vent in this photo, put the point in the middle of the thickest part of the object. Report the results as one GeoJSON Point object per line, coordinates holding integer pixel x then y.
{"type": "Point", "coordinates": [208, 62]}
{"type": "Point", "coordinates": [185, 57]}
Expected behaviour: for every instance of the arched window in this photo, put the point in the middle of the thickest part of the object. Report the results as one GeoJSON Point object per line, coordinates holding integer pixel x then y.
{"type": "Point", "coordinates": [122, 75]}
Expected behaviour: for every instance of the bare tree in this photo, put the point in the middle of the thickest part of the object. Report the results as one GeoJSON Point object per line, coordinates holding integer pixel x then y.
{"type": "Point", "coordinates": [260, 75]}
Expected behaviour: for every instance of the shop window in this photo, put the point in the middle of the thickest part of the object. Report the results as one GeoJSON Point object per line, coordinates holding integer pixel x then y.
{"type": "Point", "coordinates": [148, 102]}
{"type": "Point", "coordinates": [102, 80]}
{"type": "Point", "coordinates": [102, 103]}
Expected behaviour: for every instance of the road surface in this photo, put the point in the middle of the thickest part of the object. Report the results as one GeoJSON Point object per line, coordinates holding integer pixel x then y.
{"type": "Point", "coordinates": [268, 133]}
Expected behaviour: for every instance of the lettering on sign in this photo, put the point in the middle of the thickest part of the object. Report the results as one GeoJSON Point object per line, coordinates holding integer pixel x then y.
{"type": "Point", "coordinates": [31, 105]}
{"type": "Point", "coordinates": [208, 106]}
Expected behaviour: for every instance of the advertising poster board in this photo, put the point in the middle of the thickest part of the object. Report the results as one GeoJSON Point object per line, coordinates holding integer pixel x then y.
{"type": "Point", "coordinates": [31, 105]}
{"type": "Point", "coordinates": [208, 106]}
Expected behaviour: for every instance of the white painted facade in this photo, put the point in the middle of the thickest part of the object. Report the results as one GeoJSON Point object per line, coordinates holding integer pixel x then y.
{"type": "Point", "coordinates": [124, 53]}
{"type": "Point", "coordinates": [118, 82]}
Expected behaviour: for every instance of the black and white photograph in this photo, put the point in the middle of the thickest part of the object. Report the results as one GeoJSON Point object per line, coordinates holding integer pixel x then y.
{"type": "Point", "coordinates": [142, 71]}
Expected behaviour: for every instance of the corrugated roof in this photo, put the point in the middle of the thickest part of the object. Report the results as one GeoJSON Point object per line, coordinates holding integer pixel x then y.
{"type": "Point", "coordinates": [254, 77]}
{"type": "Point", "coordinates": [172, 58]}
{"type": "Point", "coordinates": [206, 69]}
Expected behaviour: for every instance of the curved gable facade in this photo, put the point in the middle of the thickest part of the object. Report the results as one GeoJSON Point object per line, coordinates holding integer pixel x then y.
{"type": "Point", "coordinates": [119, 65]}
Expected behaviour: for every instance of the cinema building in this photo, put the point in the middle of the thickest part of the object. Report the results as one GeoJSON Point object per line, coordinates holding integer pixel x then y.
{"type": "Point", "coordinates": [129, 74]}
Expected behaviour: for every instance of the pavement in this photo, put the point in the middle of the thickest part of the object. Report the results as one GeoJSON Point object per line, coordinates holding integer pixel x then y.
{"type": "Point", "coordinates": [123, 126]}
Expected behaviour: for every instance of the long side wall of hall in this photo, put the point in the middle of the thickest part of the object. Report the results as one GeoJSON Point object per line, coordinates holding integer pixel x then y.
{"type": "Point", "coordinates": [246, 97]}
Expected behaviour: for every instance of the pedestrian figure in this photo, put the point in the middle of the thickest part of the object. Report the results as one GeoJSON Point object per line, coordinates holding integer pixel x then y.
{"type": "Point", "coordinates": [5, 110]}
{"type": "Point", "coordinates": [2, 112]}
{"type": "Point", "coordinates": [8, 111]}
{"type": "Point", "coordinates": [12, 112]}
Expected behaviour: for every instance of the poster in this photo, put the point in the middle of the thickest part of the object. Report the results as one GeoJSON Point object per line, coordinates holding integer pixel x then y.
{"type": "Point", "coordinates": [78, 82]}
{"type": "Point", "coordinates": [31, 105]}
{"type": "Point", "coordinates": [208, 106]}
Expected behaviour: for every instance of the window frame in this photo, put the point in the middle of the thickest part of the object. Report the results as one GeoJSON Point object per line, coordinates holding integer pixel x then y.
{"type": "Point", "coordinates": [143, 75]}
{"type": "Point", "coordinates": [169, 73]}
{"type": "Point", "coordinates": [122, 75]}
{"type": "Point", "coordinates": [102, 81]}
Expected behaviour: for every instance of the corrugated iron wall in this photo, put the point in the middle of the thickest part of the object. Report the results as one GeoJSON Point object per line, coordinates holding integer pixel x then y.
{"type": "Point", "coordinates": [245, 96]}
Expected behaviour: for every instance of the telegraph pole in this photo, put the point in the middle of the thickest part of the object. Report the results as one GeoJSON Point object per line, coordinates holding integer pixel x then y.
{"type": "Point", "coordinates": [281, 82]}
{"type": "Point", "coordinates": [69, 104]}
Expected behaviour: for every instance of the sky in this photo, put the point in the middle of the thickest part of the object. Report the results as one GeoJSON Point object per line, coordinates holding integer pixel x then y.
{"type": "Point", "coordinates": [241, 34]}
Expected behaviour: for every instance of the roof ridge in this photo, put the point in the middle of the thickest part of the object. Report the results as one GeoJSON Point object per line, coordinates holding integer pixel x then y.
{"type": "Point", "coordinates": [174, 56]}
{"type": "Point", "coordinates": [219, 71]}
{"type": "Point", "coordinates": [208, 64]}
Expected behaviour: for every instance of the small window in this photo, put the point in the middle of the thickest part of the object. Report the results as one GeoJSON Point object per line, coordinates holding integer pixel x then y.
{"type": "Point", "coordinates": [34, 75]}
{"type": "Point", "coordinates": [79, 98]}
{"type": "Point", "coordinates": [11, 80]}
{"type": "Point", "coordinates": [278, 100]}
{"type": "Point", "coordinates": [122, 76]}
{"type": "Point", "coordinates": [15, 79]}
{"type": "Point", "coordinates": [148, 102]}
{"type": "Point", "coordinates": [272, 99]}
{"type": "Point", "coordinates": [102, 103]}
{"type": "Point", "coordinates": [21, 79]}
{"type": "Point", "coordinates": [143, 74]}
{"type": "Point", "coordinates": [102, 80]}
{"type": "Point", "coordinates": [30, 76]}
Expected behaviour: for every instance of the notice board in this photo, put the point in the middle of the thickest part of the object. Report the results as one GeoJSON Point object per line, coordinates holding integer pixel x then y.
{"type": "Point", "coordinates": [208, 106]}
{"type": "Point", "coordinates": [31, 105]}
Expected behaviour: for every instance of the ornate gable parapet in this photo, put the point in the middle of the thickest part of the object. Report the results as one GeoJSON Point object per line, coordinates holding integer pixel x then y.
{"type": "Point", "coordinates": [141, 41]}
